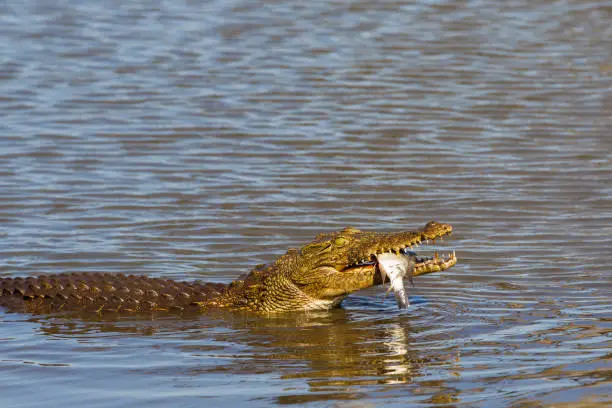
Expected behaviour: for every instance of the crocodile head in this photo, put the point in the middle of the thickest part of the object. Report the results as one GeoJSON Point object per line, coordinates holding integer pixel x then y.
{"type": "Point", "coordinates": [322, 273]}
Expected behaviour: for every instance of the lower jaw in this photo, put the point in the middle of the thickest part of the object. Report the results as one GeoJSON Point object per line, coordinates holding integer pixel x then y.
{"type": "Point", "coordinates": [435, 265]}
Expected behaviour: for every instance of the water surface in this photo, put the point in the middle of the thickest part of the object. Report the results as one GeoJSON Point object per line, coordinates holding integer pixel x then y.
{"type": "Point", "coordinates": [195, 139]}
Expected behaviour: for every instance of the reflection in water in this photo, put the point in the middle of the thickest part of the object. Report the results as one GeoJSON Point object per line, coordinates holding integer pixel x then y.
{"type": "Point", "coordinates": [346, 354]}
{"type": "Point", "coordinates": [340, 355]}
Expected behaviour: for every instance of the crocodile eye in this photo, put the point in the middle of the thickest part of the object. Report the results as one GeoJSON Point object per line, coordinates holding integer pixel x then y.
{"type": "Point", "coordinates": [340, 241]}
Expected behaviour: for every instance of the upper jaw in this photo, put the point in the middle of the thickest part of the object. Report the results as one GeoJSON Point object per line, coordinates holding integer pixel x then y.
{"type": "Point", "coordinates": [402, 243]}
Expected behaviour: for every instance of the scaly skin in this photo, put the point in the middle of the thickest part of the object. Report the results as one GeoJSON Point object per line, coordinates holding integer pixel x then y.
{"type": "Point", "coordinates": [316, 277]}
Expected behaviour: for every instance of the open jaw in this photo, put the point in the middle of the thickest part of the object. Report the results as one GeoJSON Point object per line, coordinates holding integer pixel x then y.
{"type": "Point", "coordinates": [400, 262]}
{"type": "Point", "coordinates": [395, 268]}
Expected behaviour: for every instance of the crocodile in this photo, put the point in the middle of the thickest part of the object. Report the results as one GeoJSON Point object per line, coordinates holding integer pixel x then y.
{"type": "Point", "coordinates": [317, 276]}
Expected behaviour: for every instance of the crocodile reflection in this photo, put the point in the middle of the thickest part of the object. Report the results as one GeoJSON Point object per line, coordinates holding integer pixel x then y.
{"type": "Point", "coordinates": [333, 352]}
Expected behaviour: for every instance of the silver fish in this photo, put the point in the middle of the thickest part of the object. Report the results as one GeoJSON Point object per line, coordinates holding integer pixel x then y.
{"type": "Point", "coordinates": [396, 267]}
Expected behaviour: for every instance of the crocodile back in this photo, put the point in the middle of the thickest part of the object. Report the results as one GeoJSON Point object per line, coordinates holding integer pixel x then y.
{"type": "Point", "coordinates": [105, 292]}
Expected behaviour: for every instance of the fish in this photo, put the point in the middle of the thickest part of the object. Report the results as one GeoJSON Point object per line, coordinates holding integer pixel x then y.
{"type": "Point", "coordinates": [396, 268]}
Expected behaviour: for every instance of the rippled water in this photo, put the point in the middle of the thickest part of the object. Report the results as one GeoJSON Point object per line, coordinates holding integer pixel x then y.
{"type": "Point", "coordinates": [196, 139]}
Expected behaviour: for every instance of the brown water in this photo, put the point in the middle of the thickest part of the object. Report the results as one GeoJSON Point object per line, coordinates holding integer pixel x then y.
{"type": "Point", "coordinates": [195, 139]}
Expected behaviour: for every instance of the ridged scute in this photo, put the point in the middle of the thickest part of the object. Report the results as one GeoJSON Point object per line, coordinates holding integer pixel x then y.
{"type": "Point", "coordinates": [103, 292]}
